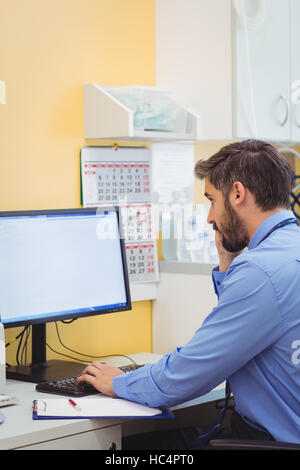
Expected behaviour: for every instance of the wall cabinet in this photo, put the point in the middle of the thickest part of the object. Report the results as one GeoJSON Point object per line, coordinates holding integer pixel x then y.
{"type": "Point", "coordinates": [239, 76]}
{"type": "Point", "coordinates": [135, 113]}
{"type": "Point", "coordinates": [266, 64]}
{"type": "Point", "coordinates": [295, 69]}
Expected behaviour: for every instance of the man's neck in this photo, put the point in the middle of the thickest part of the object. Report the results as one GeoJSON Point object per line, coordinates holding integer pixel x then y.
{"type": "Point", "coordinates": [257, 218]}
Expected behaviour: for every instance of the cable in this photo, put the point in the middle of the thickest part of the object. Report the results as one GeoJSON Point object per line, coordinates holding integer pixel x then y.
{"type": "Point", "coordinates": [15, 339]}
{"type": "Point", "coordinates": [84, 362]}
{"type": "Point", "coordinates": [65, 355]}
{"type": "Point", "coordinates": [19, 345]}
{"type": "Point", "coordinates": [24, 351]}
{"type": "Point", "coordinates": [20, 337]}
{"type": "Point", "coordinates": [295, 197]}
{"type": "Point", "coordinates": [289, 150]}
{"type": "Point", "coordinates": [85, 355]}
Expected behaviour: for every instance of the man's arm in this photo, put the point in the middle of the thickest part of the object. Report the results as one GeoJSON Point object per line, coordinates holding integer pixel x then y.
{"type": "Point", "coordinates": [245, 322]}
{"type": "Point", "coordinates": [101, 376]}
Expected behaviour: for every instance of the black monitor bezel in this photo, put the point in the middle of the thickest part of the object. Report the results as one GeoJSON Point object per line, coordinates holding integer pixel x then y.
{"type": "Point", "coordinates": [87, 313]}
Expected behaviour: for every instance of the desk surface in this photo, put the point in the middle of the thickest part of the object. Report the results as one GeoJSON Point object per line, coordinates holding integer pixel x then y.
{"type": "Point", "coordinates": [19, 429]}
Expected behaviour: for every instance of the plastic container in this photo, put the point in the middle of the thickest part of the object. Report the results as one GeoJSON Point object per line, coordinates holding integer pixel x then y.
{"type": "Point", "coordinates": [186, 235]}
{"type": "Point", "coordinates": [169, 242]}
{"type": "Point", "coordinates": [154, 109]}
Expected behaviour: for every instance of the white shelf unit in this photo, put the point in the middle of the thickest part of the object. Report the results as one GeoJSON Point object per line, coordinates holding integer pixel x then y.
{"type": "Point", "coordinates": [105, 117]}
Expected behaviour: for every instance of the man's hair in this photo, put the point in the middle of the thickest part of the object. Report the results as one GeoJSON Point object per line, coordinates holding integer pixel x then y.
{"type": "Point", "coordinates": [257, 165]}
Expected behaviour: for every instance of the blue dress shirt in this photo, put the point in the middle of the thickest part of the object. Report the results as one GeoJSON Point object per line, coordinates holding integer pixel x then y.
{"type": "Point", "coordinates": [251, 338]}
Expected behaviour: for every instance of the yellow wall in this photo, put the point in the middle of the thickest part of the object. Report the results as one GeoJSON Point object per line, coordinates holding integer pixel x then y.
{"type": "Point", "coordinates": [48, 50]}
{"type": "Point", "coordinates": [204, 151]}
{"type": "Point", "coordinates": [297, 162]}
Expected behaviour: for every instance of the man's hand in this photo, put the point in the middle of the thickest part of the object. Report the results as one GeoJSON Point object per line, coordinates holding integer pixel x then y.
{"type": "Point", "coordinates": [100, 376]}
{"type": "Point", "coordinates": [225, 257]}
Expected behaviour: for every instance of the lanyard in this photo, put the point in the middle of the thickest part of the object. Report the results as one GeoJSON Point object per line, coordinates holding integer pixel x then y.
{"type": "Point", "coordinates": [285, 222]}
{"type": "Point", "coordinates": [203, 439]}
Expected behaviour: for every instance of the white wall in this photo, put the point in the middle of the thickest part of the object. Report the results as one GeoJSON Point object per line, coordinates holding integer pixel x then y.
{"type": "Point", "coordinates": [183, 301]}
{"type": "Point", "coordinates": [193, 55]}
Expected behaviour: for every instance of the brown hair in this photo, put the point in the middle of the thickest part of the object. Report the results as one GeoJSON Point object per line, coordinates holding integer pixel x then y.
{"type": "Point", "coordinates": [257, 165]}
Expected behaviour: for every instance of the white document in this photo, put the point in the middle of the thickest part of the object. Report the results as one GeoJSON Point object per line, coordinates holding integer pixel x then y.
{"type": "Point", "coordinates": [97, 407]}
{"type": "Point", "coordinates": [173, 173]}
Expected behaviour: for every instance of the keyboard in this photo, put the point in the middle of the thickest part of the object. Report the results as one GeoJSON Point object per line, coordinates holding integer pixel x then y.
{"type": "Point", "coordinates": [69, 385]}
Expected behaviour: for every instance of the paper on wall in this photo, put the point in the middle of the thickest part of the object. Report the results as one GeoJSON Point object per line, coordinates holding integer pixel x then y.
{"type": "Point", "coordinates": [173, 173]}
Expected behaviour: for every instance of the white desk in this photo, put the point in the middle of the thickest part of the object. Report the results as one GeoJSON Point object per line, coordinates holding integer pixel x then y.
{"type": "Point", "coordinates": [20, 431]}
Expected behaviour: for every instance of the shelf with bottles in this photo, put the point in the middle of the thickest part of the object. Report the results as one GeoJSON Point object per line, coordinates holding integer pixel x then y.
{"type": "Point", "coordinates": [187, 237]}
{"type": "Point", "coordinates": [136, 113]}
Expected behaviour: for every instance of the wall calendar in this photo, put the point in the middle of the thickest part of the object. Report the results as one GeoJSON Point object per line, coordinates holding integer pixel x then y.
{"type": "Point", "coordinates": [122, 177]}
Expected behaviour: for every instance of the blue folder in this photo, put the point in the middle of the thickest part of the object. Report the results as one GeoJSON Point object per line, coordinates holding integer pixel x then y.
{"type": "Point", "coordinates": [164, 414]}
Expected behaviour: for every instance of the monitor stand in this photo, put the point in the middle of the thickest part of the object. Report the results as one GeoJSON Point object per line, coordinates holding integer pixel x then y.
{"type": "Point", "coordinates": [41, 370]}
{"type": "Point", "coordinates": [46, 372]}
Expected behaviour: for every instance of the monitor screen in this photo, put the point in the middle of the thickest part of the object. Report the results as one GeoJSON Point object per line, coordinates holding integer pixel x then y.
{"type": "Point", "coordinates": [61, 264]}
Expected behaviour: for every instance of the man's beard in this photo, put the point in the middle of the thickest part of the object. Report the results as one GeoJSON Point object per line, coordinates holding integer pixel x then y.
{"type": "Point", "coordinates": [235, 237]}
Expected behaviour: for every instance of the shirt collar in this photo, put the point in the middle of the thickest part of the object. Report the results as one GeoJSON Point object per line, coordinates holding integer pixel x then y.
{"type": "Point", "coordinates": [267, 225]}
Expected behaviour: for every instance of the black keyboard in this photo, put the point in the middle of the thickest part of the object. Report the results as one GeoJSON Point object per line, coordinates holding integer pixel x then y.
{"type": "Point", "coordinates": [69, 385]}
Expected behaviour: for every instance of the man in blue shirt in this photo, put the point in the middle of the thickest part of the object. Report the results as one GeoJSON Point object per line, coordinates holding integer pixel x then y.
{"type": "Point", "coordinates": [252, 337]}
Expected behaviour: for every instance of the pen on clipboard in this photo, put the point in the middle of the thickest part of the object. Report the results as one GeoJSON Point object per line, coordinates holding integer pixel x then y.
{"type": "Point", "coordinates": [72, 402]}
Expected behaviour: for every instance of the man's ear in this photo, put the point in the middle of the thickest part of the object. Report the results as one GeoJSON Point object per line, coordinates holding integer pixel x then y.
{"type": "Point", "coordinates": [237, 194]}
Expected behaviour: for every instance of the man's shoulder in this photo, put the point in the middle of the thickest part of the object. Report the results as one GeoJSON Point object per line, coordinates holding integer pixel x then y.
{"type": "Point", "coordinates": [266, 258]}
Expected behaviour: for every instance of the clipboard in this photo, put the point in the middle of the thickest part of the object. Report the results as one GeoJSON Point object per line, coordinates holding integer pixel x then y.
{"type": "Point", "coordinates": [90, 408]}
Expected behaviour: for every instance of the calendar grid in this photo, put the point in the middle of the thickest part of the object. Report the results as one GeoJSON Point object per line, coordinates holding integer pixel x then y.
{"type": "Point", "coordinates": [126, 183]}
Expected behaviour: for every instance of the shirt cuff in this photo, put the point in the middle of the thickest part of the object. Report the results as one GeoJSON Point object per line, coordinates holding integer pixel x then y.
{"type": "Point", "coordinates": [138, 386]}
{"type": "Point", "coordinates": [122, 383]}
{"type": "Point", "coordinates": [119, 385]}
{"type": "Point", "coordinates": [217, 278]}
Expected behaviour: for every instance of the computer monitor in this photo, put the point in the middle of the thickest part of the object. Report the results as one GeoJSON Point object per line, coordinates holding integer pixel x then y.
{"type": "Point", "coordinates": [59, 265]}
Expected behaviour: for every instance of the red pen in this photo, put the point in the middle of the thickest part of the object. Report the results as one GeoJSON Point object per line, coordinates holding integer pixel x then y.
{"type": "Point", "coordinates": [72, 402]}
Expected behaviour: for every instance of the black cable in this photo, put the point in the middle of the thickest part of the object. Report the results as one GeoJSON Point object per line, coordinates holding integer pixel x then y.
{"type": "Point", "coordinates": [19, 346]}
{"type": "Point", "coordinates": [295, 201]}
{"type": "Point", "coordinates": [13, 340]}
{"type": "Point", "coordinates": [65, 355]}
{"type": "Point", "coordinates": [20, 343]}
{"type": "Point", "coordinates": [89, 355]}
{"type": "Point", "coordinates": [24, 351]}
